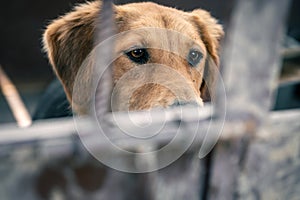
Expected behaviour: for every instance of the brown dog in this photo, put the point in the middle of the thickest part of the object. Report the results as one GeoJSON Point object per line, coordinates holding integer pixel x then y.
{"type": "Point", "coordinates": [174, 46]}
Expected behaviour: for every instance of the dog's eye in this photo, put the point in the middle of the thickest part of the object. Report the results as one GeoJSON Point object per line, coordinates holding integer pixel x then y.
{"type": "Point", "coordinates": [194, 57]}
{"type": "Point", "coordinates": [139, 56]}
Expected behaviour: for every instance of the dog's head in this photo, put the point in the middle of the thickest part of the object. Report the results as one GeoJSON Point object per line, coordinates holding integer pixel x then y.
{"type": "Point", "coordinates": [168, 56]}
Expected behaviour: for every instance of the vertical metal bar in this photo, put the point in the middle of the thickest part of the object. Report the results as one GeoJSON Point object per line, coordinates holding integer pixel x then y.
{"type": "Point", "coordinates": [104, 48]}
{"type": "Point", "coordinates": [251, 57]}
{"type": "Point", "coordinates": [251, 62]}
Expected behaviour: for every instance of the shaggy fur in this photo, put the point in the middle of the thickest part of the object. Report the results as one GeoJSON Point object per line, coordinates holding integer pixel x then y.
{"type": "Point", "coordinates": [68, 41]}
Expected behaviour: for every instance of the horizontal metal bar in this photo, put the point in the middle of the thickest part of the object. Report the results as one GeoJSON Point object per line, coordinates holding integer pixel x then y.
{"type": "Point", "coordinates": [60, 128]}
{"type": "Point", "coordinates": [45, 131]}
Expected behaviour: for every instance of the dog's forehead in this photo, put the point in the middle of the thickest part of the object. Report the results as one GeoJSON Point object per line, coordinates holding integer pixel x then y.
{"type": "Point", "coordinates": [157, 38]}
{"type": "Point", "coordinates": [153, 24]}
{"type": "Point", "coordinates": [141, 15]}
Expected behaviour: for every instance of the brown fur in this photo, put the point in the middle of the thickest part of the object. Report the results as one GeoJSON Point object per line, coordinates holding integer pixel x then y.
{"type": "Point", "coordinates": [68, 40]}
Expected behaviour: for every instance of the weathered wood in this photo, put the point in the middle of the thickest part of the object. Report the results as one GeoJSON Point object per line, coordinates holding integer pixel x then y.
{"type": "Point", "coordinates": [181, 180]}
{"type": "Point", "coordinates": [55, 165]}
{"type": "Point", "coordinates": [80, 177]}
{"type": "Point", "coordinates": [272, 165]}
{"type": "Point", "coordinates": [264, 167]}
{"type": "Point", "coordinates": [251, 58]}
{"type": "Point", "coordinates": [251, 62]}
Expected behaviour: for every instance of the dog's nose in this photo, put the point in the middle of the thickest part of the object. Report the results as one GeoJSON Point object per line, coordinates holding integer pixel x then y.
{"type": "Point", "coordinates": [183, 103]}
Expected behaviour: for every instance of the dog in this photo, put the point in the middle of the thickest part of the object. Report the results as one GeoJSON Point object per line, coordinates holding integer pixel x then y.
{"type": "Point", "coordinates": [180, 48]}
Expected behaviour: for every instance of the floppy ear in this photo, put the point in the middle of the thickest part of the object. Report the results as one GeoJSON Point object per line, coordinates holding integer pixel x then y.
{"type": "Point", "coordinates": [68, 40]}
{"type": "Point", "coordinates": [211, 33]}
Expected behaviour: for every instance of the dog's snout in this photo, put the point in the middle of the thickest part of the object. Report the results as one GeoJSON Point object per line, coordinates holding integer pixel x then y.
{"type": "Point", "coordinates": [183, 103]}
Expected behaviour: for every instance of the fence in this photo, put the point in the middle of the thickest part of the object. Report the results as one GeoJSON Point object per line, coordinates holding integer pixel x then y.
{"type": "Point", "coordinates": [257, 156]}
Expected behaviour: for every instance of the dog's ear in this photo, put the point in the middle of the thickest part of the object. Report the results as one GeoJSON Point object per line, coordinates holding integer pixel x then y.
{"type": "Point", "coordinates": [211, 33]}
{"type": "Point", "coordinates": [68, 40]}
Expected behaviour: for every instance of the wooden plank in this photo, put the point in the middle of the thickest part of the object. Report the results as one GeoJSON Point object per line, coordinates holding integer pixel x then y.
{"type": "Point", "coordinates": [262, 167]}
{"type": "Point", "coordinates": [272, 165]}
{"type": "Point", "coordinates": [251, 58]}
{"type": "Point", "coordinates": [251, 63]}
{"type": "Point", "coordinates": [183, 179]}
{"type": "Point", "coordinates": [82, 177]}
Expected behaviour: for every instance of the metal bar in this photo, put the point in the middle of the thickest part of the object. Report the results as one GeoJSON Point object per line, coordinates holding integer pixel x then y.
{"type": "Point", "coordinates": [251, 58]}
{"type": "Point", "coordinates": [104, 48]}
{"type": "Point", "coordinates": [60, 128]}
{"type": "Point", "coordinates": [52, 130]}
{"type": "Point", "coordinates": [251, 61]}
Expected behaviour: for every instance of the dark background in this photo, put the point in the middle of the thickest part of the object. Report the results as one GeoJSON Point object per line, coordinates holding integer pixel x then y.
{"type": "Point", "coordinates": [22, 24]}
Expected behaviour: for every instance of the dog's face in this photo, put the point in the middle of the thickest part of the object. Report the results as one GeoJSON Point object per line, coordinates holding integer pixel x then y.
{"type": "Point", "coordinates": [164, 56]}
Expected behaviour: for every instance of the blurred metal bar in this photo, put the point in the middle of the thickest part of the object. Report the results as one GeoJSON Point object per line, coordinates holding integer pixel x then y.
{"type": "Point", "coordinates": [14, 100]}
{"type": "Point", "coordinates": [60, 128]}
{"type": "Point", "coordinates": [45, 131]}
{"type": "Point", "coordinates": [251, 59]}
{"type": "Point", "coordinates": [104, 48]}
